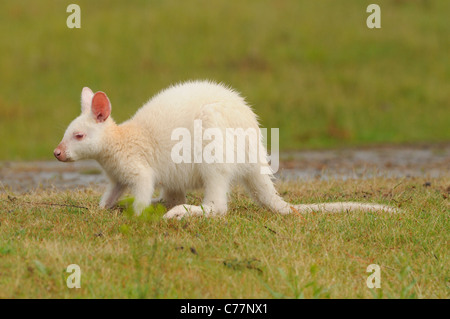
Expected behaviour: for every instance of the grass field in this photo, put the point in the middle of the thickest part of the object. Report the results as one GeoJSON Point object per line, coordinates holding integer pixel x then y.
{"type": "Point", "coordinates": [250, 253]}
{"type": "Point", "coordinates": [311, 68]}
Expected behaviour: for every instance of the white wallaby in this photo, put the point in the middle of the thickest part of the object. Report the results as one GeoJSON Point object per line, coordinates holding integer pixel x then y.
{"type": "Point", "coordinates": [137, 153]}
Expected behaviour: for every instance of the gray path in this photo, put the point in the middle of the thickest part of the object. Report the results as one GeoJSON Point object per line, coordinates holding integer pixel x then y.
{"type": "Point", "coordinates": [403, 161]}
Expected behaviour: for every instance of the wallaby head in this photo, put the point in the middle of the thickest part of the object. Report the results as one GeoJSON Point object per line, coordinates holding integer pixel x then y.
{"type": "Point", "coordinates": [83, 137]}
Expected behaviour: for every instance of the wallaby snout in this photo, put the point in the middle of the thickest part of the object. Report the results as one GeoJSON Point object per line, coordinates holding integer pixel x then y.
{"type": "Point", "coordinates": [60, 153]}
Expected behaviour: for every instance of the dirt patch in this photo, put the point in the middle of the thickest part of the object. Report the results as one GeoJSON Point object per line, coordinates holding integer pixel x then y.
{"type": "Point", "coordinates": [403, 161]}
{"type": "Point", "coordinates": [398, 162]}
{"type": "Point", "coordinates": [26, 176]}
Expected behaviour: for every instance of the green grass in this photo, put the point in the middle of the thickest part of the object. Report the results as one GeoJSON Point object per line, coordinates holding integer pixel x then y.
{"type": "Point", "coordinates": [250, 253]}
{"type": "Point", "coordinates": [311, 68]}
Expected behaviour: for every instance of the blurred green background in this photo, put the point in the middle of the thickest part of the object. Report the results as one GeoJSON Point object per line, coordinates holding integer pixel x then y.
{"type": "Point", "coordinates": [311, 68]}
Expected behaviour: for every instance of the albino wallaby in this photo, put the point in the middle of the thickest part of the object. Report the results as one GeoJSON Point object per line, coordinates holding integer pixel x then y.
{"type": "Point", "coordinates": [137, 153]}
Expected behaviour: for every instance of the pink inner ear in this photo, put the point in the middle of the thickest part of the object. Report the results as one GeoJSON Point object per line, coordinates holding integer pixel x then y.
{"type": "Point", "coordinates": [101, 108]}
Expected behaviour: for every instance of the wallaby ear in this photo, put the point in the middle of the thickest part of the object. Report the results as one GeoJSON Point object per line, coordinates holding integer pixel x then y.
{"type": "Point", "coordinates": [86, 99]}
{"type": "Point", "coordinates": [101, 107]}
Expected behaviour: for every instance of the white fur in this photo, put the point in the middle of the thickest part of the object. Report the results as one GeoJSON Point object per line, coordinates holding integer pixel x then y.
{"type": "Point", "coordinates": [137, 153]}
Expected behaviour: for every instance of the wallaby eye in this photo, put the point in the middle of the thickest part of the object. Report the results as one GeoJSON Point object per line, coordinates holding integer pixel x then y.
{"type": "Point", "coordinates": [79, 136]}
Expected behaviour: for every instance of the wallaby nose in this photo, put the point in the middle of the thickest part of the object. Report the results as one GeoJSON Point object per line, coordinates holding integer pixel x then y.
{"type": "Point", "coordinates": [57, 153]}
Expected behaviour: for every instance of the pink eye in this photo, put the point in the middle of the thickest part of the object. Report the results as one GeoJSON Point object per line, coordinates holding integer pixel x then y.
{"type": "Point", "coordinates": [79, 136]}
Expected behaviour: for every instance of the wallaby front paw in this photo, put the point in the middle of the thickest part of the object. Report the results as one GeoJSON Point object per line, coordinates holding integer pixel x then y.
{"type": "Point", "coordinates": [138, 208]}
{"type": "Point", "coordinates": [103, 205]}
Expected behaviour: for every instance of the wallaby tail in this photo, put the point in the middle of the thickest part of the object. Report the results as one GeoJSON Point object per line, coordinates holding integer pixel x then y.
{"type": "Point", "coordinates": [262, 189]}
{"type": "Point", "coordinates": [343, 207]}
